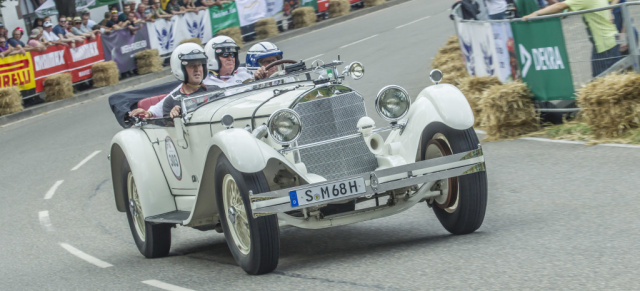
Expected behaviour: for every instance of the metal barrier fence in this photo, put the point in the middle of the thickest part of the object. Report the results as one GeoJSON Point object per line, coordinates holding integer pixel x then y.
{"type": "Point", "coordinates": [579, 48]}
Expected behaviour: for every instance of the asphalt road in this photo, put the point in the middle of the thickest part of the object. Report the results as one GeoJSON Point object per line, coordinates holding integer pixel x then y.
{"type": "Point", "coordinates": [560, 215]}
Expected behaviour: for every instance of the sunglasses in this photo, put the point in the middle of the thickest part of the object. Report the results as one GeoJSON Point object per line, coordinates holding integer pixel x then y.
{"type": "Point", "coordinates": [227, 54]}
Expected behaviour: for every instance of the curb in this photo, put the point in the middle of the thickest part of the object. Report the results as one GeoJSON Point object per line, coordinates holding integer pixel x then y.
{"type": "Point", "coordinates": [136, 80]}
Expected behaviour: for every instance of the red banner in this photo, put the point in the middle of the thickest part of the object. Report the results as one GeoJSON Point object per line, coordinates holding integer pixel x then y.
{"type": "Point", "coordinates": [59, 58]}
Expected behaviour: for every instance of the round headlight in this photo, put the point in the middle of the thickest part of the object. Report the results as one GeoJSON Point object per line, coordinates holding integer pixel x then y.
{"type": "Point", "coordinates": [356, 70]}
{"type": "Point", "coordinates": [285, 126]}
{"type": "Point", "coordinates": [393, 102]}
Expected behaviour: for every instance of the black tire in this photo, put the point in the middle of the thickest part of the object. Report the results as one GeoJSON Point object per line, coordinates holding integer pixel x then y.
{"type": "Point", "coordinates": [466, 210]}
{"type": "Point", "coordinates": [264, 234]}
{"type": "Point", "coordinates": [156, 241]}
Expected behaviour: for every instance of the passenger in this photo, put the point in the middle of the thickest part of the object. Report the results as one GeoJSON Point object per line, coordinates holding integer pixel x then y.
{"type": "Point", "coordinates": [261, 55]}
{"type": "Point", "coordinates": [188, 64]}
{"type": "Point", "coordinates": [224, 65]}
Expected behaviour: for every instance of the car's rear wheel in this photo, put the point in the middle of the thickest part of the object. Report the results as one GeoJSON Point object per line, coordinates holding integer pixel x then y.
{"type": "Point", "coordinates": [152, 240]}
{"type": "Point", "coordinates": [254, 242]}
{"type": "Point", "coordinates": [462, 207]}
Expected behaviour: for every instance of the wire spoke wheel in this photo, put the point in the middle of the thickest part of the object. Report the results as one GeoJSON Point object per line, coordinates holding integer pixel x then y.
{"type": "Point", "coordinates": [235, 214]}
{"type": "Point", "coordinates": [134, 206]}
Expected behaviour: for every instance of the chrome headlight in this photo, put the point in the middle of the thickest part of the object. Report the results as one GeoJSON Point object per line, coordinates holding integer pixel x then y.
{"type": "Point", "coordinates": [393, 102]}
{"type": "Point", "coordinates": [284, 126]}
{"type": "Point", "coordinates": [356, 70]}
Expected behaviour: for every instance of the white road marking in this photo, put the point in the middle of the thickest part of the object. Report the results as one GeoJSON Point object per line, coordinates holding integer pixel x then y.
{"type": "Point", "coordinates": [165, 286]}
{"type": "Point", "coordinates": [412, 22]}
{"type": "Point", "coordinates": [366, 38]}
{"type": "Point", "coordinates": [80, 254]}
{"type": "Point", "coordinates": [314, 57]}
{"type": "Point", "coordinates": [621, 145]}
{"type": "Point", "coordinates": [45, 221]}
{"type": "Point", "coordinates": [85, 160]}
{"type": "Point", "coordinates": [52, 190]}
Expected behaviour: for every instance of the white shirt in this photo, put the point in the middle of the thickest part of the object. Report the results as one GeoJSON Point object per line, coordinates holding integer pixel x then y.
{"type": "Point", "coordinates": [496, 6]}
{"type": "Point", "coordinates": [50, 36]}
{"type": "Point", "coordinates": [240, 76]}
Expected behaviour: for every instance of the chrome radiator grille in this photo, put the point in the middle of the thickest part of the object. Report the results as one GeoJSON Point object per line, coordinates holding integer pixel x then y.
{"type": "Point", "coordinates": [329, 118]}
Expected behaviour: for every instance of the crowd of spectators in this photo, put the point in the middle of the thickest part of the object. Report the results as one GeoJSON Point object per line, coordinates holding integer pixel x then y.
{"type": "Point", "coordinates": [71, 31]}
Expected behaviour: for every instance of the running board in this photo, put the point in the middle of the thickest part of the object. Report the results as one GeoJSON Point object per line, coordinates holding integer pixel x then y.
{"type": "Point", "coordinates": [176, 217]}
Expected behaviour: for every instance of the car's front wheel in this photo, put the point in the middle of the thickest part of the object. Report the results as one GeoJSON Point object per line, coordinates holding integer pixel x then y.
{"type": "Point", "coordinates": [462, 206]}
{"type": "Point", "coordinates": [152, 240]}
{"type": "Point", "coordinates": [254, 242]}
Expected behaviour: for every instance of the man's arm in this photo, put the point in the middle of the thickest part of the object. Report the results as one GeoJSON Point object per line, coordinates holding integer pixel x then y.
{"type": "Point", "coordinates": [552, 9]}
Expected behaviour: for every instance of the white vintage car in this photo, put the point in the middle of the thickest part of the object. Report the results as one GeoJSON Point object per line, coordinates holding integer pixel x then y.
{"type": "Point", "coordinates": [297, 149]}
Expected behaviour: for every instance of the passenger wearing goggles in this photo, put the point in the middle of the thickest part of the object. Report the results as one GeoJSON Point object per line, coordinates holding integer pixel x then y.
{"type": "Point", "coordinates": [223, 63]}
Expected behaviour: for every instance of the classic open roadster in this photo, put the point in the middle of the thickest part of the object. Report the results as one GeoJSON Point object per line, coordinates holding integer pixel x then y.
{"type": "Point", "coordinates": [297, 149]}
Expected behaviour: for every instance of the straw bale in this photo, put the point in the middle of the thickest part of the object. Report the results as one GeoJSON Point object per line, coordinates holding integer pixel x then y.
{"type": "Point", "coordinates": [58, 87]}
{"type": "Point", "coordinates": [507, 111]}
{"type": "Point", "coordinates": [370, 3]}
{"type": "Point", "coordinates": [105, 74]}
{"type": "Point", "coordinates": [10, 100]}
{"type": "Point", "coordinates": [452, 40]}
{"type": "Point", "coordinates": [192, 40]}
{"type": "Point", "coordinates": [266, 27]}
{"type": "Point", "coordinates": [453, 72]}
{"type": "Point", "coordinates": [233, 32]}
{"type": "Point", "coordinates": [473, 87]}
{"type": "Point", "coordinates": [148, 61]}
{"type": "Point", "coordinates": [611, 104]}
{"type": "Point", "coordinates": [147, 53]}
{"type": "Point", "coordinates": [339, 8]}
{"type": "Point", "coordinates": [303, 16]}
{"type": "Point", "coordinates": [441, 60]}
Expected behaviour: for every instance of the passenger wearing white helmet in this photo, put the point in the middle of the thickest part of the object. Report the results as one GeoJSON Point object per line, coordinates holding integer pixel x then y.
{"type": "Point", "coordinates": [189, 65]}
{"type": "Point", "coordinates": [223, 63]}
{"type": "Point", "coordinates": [261, 55]}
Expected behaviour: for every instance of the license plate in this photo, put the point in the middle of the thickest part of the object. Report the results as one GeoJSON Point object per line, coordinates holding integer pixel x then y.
{"type": "Point", "coordinates": [327, 192]}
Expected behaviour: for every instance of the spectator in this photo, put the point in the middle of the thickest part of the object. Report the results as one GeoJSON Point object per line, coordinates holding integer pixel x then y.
{"type": "Point", "coordinates": [174, 8]}
{"type": "Point", "coordinates": [122, 17]}
{"type": "Point", "coordinates": [148, 9]}
{"type": "Point", "coordinates": [37, 23]}
{"type": "Point", "coordinates": [141, 13]}
{"type": "Point", "coordinates": [158, 11]}
{"type": "Point", "coordinates": [204, 3]}
{"type": "Point", "coordinates": [189, 6]}
{"type": "Point", "coordinates": [61, 31]}
{"type": "Point", "coordinates": [15, 40]}
{"type": "Point", "coordinates": [79, 30]}
{"type": "Point", "coordinates": [87, 24]}
{"type": "Point", "coordinates": [113, 23]}
{"type": "Point", "coordinates": [3, 31]}
{"type": "Point", "coordinates": [5, 49]}
{"type": "Point", "coordinates": [86, 13]}
{"type": "Point", "coordinates": [497, 9]}
{"type": "Point", "coordinates": [602, 33]}
{"type": "Point", "coordinates": [35, 40]}
{"type": "Point", "coordinates": [618, 21]}
{"type": "Point", "coordinates": [133, 23]}
{"type": "Point", "coordinates": [107, 17]}
{"type": "Point", "coordinates": [51, 36]}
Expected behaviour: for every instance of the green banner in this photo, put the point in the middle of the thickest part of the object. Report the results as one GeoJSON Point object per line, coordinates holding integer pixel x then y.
{"type": "Point", "coordinates": [310, 3]}
{"type": "Point", "coordinates": [224, 17]}
{"type": "Point", "coordinates": [544, 64]}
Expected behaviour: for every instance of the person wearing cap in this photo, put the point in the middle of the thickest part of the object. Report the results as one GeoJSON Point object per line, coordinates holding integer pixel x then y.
{"type": "Point", "coordinates": [51, 36]}
{"type": "Point", "coordinates": [35, 40]}
{"type": "Point", "coordinates": [61, 31]}
{"type": "Point", "coordinates": [78, 30]}
{"type": "Point", "coordinates": [15, 41]}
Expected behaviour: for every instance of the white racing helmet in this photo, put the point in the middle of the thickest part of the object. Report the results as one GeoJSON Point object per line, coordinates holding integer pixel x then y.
{"type": "Point", "coordinates": [261, 50]}
{"type": "Point", "coordinates": [219, 45]}
{"type": "Point", "coordinates": [183, 54]}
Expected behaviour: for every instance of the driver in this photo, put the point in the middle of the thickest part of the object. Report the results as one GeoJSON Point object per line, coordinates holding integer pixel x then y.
{"type": "Point", "coordinates": [224, 65]}
{"type": "Point", "coordinates": [188, 64]}
{"type": "Point", "coordinates": [261, 55]}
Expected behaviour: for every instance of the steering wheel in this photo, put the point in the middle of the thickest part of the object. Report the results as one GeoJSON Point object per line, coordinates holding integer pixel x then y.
{"type": "Point", "coordinates": [280, 62]}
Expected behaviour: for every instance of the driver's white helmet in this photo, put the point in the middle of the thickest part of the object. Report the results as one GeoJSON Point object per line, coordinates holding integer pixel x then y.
{"type": "Point", "coordinates": [261, 50]}
{"type": "Point", "coordinates": [182, 55]}
{"type": "Point", "coordinates": [219, 45]}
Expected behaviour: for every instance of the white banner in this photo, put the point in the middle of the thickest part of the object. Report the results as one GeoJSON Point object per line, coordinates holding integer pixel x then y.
{"type": "Point", "coordinates": [250, 11]}
{"type": "Point", "coordinates": [478, 48]}
{"type": "Point", "coordinates": [274, 9]}
{"type": "Point", "coordinates": [505, 50]}
{"type": "Point", "coordinates": [49, 7]}
{"type": "Point", "coordinates": [166, 35]}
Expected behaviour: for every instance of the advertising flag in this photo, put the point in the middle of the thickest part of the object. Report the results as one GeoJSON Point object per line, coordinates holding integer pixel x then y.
{"type": "Point", "coordinates": [223, 17]}
{"type": "Point", "coordinates": [121, 47]}
{"type": "Point", "coordinates": [250, 11]}
{"type": "Point", "coordinates": [17, 70]}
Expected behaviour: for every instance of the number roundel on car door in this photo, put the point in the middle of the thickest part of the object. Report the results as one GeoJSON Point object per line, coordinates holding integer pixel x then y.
{"type": "Point", "coordinates": [172, 158]}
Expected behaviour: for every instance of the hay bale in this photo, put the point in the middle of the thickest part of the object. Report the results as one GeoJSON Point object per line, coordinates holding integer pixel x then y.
{"type": "Point", "coordinates": [339, 8]}
{"type": "Point", "coordinates": [370, 3]}
{"type": "Point", "coordinates": [10, 100]}
{"type": "Point", "coordinates": [452, 40]}
{"type": "Point", "coordinates": [234, 33]}
{"type": "Point", "coordinates": [303, 17]}
{"type": "Point", "coordinates": [58, 87]}
{"type": "Point", "coordinates": [507, 111]}
{"type": "Point", "coordinates": [449, 60]}
{"type": "Point", "coordinates": [193, 40]}
{"type": "Point", "coordinates": [105, 74]}
{"type": "Point", "coordinates": [473, 87]}
{"type": "Point", "coordinates": [148, 61]}
{"type": "Point", "coordinates": [453, 72]}
{"type": "Point", "coordinates": [611, 104]}
{"type": "Point", "coordinates": [266, 27]}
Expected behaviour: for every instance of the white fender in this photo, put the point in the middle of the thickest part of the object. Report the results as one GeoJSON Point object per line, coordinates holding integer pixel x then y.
{"type": "Point", "coordinates": [438, 103]}
{"type": "Point", "coordinates": [153, 189]}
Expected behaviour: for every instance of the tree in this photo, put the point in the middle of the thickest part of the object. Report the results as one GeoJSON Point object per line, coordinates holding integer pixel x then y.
{"type": "Point", "coordinates": [65, 7]}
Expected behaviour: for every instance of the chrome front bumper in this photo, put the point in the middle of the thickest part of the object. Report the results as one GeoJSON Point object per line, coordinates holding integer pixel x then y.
{"type": "Point", "coordinates": [379, 181]}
